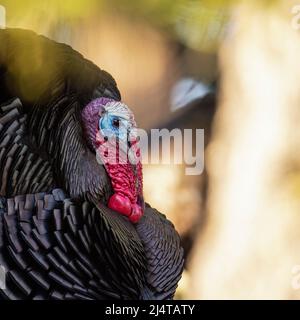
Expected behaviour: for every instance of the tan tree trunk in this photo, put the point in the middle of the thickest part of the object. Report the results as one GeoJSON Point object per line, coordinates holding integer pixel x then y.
{"type": "Point", "coordinates": [250, 247]}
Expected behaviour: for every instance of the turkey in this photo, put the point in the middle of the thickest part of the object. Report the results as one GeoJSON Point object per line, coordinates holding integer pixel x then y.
{"type": "Point", "coordinates": [74, 224]}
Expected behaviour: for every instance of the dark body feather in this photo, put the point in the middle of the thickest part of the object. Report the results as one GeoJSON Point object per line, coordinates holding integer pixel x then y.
{"type": "Point", "coordinates": [57, 241]}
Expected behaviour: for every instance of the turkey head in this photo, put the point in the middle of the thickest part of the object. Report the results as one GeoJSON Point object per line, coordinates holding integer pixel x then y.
{"type": "Point", "coordinates": [110, 130]}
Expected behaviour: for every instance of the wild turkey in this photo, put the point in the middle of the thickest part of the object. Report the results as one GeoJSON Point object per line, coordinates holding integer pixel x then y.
{"type": "Point", "coordinates": [59, 239]}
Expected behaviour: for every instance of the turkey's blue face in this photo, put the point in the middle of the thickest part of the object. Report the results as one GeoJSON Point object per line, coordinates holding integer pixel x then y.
{"type": "Point", "coordinates": [110, 130]}
{"type": "Point", "coordinates": [114, 125]}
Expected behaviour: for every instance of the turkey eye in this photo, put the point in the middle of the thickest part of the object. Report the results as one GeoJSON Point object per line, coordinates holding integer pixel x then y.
{"type": "Point", "coordinates": [116, 123]}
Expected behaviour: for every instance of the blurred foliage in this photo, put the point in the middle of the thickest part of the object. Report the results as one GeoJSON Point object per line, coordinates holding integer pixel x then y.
{"type": "Point", "coordinates": [196, 23]}
{"type": "Point", "coordinates": [167, 12]}
{"type": "Point", "coordinates": [199, 24]}
{"type": "Point", "coordinates": [61, 8]}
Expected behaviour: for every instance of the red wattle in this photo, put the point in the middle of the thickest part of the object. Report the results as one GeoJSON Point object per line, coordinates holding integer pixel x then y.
{"type": "Point", "coordinates": [120, 204]}
{"type": "Point", "coordinates": [136, 213]}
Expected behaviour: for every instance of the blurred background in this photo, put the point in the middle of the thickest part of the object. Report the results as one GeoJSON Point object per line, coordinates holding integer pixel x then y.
{"type": "Point", "coordinates": [232, 69]}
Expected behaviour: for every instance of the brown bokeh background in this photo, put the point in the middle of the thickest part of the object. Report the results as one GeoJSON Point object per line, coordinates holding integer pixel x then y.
{"type": "Point", "coordinates": [240, 219]}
